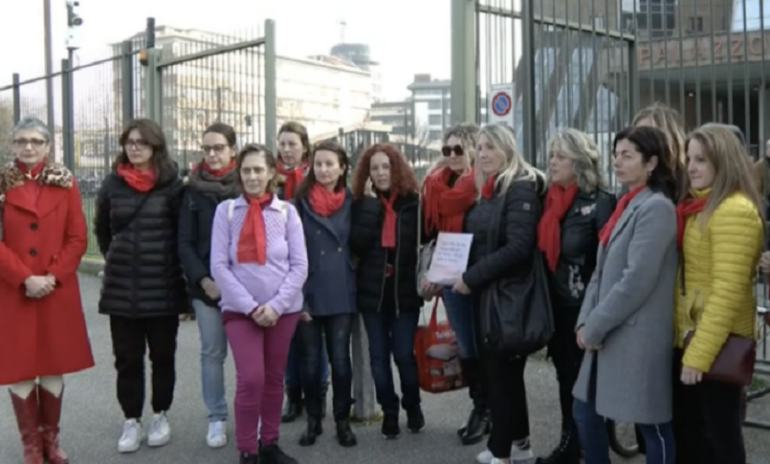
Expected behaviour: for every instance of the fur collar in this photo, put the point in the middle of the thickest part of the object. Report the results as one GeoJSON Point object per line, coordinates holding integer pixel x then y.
{"type": "Point", "coordinates": [53, 174]}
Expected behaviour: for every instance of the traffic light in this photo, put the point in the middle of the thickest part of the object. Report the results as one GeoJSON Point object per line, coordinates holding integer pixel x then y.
{"type": "Point", "coordinates": [74, 21]}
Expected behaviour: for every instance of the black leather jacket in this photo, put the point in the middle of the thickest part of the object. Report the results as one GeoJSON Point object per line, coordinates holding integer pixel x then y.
{"type": "Point", "coordinates": [579, 243]}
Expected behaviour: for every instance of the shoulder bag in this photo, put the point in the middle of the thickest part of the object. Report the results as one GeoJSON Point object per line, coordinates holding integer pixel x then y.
{"type": "Point", "coordinates": [516, 317]}
{"type": "Point", "coordinates": [424, 252]}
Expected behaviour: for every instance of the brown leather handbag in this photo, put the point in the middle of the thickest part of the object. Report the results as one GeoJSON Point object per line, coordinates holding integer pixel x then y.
{"type": "Point", "coordinates": [734, 364]}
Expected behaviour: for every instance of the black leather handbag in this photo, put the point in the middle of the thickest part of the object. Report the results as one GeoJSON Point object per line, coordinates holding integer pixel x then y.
{"type": "Point", "coordinates": [516, 317]}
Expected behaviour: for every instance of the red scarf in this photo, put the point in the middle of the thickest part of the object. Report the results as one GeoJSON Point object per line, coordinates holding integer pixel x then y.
{"type": "Point", "coordinates": [252, 241]}
{"type": "Point", "coordinates": [31, 178]}
{"type": "Point", "coordinates": [141, 181]}
{"type": "Point", "coordinates": [604, 234]}
{"type": "Point", "coordinates": [488, 189]}
{"type": "Point", "coordinates": [686, 208]}
{"type": "Point", "coordinates": [557, 202]}
{"type": "Point", "coordinates": [389, 223]}
{"type": "Point", "coordinates": [217, 172]}
{"type": "Point", "coordinates": [324, 202]}
{"type": "Point", "coordinates": [291, 178]}
{"type": "Point", "coordinates": [445, 206]}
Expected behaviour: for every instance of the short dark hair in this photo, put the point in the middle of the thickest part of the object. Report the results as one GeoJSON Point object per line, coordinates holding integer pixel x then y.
{"type": "Point", "coordinates": [651, 141]}
{"type": "Point", "coordinates": [165, 167]}
{"type": "Point", "coordinates": [310, 179]}
{"type": "Point", "coordinates": [270, 161]}
{"type": "Point", "coordinates": [225, 130]}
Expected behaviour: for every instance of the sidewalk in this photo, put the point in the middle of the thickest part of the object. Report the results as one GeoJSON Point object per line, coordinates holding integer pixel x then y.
{"type": "Point", "coordinates": [93, 422]}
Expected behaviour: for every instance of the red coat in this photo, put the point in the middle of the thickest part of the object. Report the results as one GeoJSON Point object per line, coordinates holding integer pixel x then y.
{"type": "Point", "coordinates": [45, 336]}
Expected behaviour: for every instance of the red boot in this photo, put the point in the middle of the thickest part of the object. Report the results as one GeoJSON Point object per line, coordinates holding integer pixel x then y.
{"type": "Point", "coordinates": [50, 413]}
{"type": "Point", "coordinates": [29, 427]}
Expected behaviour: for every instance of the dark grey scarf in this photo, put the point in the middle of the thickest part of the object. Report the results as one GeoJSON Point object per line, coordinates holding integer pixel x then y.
{"type": "Point", "coordinates": [220, 188]}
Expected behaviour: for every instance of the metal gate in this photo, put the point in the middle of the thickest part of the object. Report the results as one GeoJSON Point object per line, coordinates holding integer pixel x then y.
{"type": "Point", "coordinates": [194, 79]}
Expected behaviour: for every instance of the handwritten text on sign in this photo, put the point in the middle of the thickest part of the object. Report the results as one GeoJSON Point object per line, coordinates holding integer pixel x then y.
{"type": "Point", "coordinates": [450, 258]}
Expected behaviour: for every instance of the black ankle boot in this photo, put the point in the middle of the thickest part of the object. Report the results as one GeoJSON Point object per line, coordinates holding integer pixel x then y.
{"type": "Point", "coordinates": [345, 435]}
{"type": "Point", "coordinates": [311, 433]}
{"type": "Point", "coordinates": [248, 458]}
{"type": "Point", "coordinates": [272, 454]}
{"type": "Point", "coordinates": [478, 425]}
{"type": "Point", "coordinates": [294, 405]}
{"type": "Point", "coordinates": [390, 428]}
{"type": "Point", "coordinates": [324, 392]}
{"type": "Point", "coordinates": [566, 452]}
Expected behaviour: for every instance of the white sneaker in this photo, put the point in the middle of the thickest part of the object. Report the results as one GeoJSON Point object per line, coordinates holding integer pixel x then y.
{"type": "Point", "coordinates": [520, 451]}
{"type": "Point", "coordinates": [217, 436]}
{"type": "Point", "coordinates": [159, 432]}
{"type": "Point", "coordinates": [132, 437]}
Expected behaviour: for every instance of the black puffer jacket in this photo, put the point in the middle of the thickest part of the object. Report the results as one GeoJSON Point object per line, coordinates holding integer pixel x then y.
{"type": "Point", "coordinates": [142, 275]}
{"type": "Point", "coordinates": [579, 242]}
{"type": "Point", "coordinates": [375, 292]}
{"type": "Point", "coordinates": [518, 235]}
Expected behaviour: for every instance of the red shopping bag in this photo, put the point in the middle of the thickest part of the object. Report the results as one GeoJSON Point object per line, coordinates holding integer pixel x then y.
{"type": "Point", "coordinates": [438, 356]}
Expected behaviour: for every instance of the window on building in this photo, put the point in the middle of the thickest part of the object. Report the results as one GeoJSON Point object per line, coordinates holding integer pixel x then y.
{"type": "Point", "coordinates": [434, 119]}
{"type": "Point", "coordinates": [695, 24]}
{"type": "Point", "coordinates": [434, 105]}
{"type": "Point", "coordinates": [757, 15]}
{"type": "Point", "coordinates": [435, 135]}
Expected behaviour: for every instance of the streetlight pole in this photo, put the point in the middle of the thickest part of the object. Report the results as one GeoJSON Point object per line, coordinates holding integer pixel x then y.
{"type": "Point", "coordinates": [49, 71]}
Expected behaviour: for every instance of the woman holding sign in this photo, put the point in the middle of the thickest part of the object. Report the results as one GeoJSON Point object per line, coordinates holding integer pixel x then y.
{"type": "Point", "coordinates": [509, 184]}
{"type": "Point", "coordinates": [384, 237]}
{"type": "Point", "coordinates": [576, 209]}
{"type": "Point", "coordinates": [449, 191]}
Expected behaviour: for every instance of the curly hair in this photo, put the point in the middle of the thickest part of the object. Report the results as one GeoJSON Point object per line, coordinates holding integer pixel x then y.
{"type": "Point", "coordinates": [402, 176]}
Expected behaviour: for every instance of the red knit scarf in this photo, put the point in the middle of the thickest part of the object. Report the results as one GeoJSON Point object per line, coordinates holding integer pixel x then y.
{"type": "Point", "coordinates": [604, 234]}
{"type": "Point", "coordinates": [389, 223]}
{"type": "Point", "coordinates": [686, 208]}
{"type": "Point", "coordinates": [557, 202]}
{"type": "Point", "coordinates": [488, 189]}
{"type": "Point", "coordinates": [324, 202]}
{"type": "Point", "coordinates": [139, 180]}
{"type": "Point", "coordinates": [252, 241]}
{"type": "Point", "coordinates": [445, 206]}
{"type": "Point", "coordinates": [292, 178]}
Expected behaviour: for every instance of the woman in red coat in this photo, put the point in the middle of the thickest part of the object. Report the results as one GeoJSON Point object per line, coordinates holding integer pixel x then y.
{"type": "Point", "coordinates": [43, 238]}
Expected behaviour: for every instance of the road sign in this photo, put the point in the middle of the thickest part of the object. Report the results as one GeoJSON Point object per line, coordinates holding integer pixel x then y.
{"type": "Point", "coordinates": [501, 104]}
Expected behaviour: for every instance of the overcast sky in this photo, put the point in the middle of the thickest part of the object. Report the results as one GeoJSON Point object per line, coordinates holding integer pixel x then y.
{"type": "Point", "coordinates": [406, 36]}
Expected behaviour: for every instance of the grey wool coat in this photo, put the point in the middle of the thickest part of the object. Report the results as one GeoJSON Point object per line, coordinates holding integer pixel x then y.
{"type": "Point", "coordinates": [628, 311]}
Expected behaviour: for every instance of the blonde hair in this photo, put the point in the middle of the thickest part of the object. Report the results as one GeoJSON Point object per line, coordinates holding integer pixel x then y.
{"type": "Point", "coordinates": [582, 150]}
{"type": "Point", "coordinates": [468, 134]}
{"type": "Point", "coordinates": [670, 122]}
{"type": "Point", "coordinates": [515, 168]}
{"type": "Point", "coordinates": [733, 170]}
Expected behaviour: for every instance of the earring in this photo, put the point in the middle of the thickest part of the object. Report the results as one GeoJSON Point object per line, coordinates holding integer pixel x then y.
{"type": "Point", "coordinates": [649, 173]}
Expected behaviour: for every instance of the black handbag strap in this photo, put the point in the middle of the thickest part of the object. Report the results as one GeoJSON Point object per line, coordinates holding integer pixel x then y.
{"type": "Point", "coordinates": [135, 213]}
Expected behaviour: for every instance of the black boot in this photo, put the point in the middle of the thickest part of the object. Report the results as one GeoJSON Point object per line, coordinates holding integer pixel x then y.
{"type": "Point", "coordinates": [311, 433]}
{"type": "Point", "coordinates": [479, 424]}
{"type": "Point", "coordinates": [272, 454]}
{"type": "Point", "coordinates": [415, 420]}
{"type": "Point", "coordinates": [345, 435]}
{"type": "Point", "coordinates": [324, 392]}
{"type": "Point", "coordinates": [479, 421]}
{"type": "Point", "coordinates": [390, 427]}
{"type": "Point", "coordinates": [293, 406]}
{"type": "Point", "coordinates": [567, 451]}
{"type": "Point", "coordinates": [248, 458]}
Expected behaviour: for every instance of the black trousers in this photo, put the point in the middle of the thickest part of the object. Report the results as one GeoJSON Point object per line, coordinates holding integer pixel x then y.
{"type": "Point", "coordinates": [337, 331]}
{"type": "Point", "coordinates": [507, 401]}
{"type": "Point", "coordinates": [130, 339]}
{"type": "Point", "coordinates": [567, 358]}
{"type": "Point", "coordinates": [707, 421]}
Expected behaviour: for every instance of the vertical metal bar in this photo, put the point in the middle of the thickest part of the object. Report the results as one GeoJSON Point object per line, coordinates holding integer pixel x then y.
{"type": "Point", "coordinates": [127, 81]}
{"type": "Point", "coordinates": [698, 91]}
{"type": "Point", "coordinates": [271, 118]}
{"type": "Point", "coordinates": [152, 85]}
{"type": "Point", "coordinates": [68, 115]}
{"type": "Point", "coordinates": [464, 88]}
{"type": "Point", "coordinates": [528, 77]}
{"type": "Point", "coordinates": [730, 109]}
{"type": "Point", "coordinates": [746, 81]}
{"type": "Point", "coordinates": [633, 78]}
{"type": "Point", "coordinates": [680, 55]}
{"type": "Point", "coordinates": [50, 107]}
{"type": "Point", "coordinates": [714, 116]}
{"type": "Point", "coordinates": [762, 94]}
{"type": "Point", "coordinates": [16, 98]}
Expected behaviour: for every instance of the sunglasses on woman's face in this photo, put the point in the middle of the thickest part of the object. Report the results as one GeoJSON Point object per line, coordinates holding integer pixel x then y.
{"type": "Point", "coordinates": [446, 150]}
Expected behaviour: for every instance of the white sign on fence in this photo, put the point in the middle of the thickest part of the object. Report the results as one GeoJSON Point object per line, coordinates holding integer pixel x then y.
{"type": "Point", "coordinates": [501, 104]}
{"type": "Point", "coordinates": [450, 258]}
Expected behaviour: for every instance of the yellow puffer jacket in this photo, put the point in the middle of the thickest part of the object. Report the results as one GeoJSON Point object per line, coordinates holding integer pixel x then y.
{"type": "Point", "coordinates": [720, 262]}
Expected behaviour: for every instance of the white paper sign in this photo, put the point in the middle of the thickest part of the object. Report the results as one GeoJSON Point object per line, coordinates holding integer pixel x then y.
{"type": "Point", "coordinates": [450, 258]}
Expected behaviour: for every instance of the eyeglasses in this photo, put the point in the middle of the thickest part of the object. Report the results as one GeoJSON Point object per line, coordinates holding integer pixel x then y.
{"type": "Point", "coordinates": [218, 148]}
{"type": "Point", "coordinates": [135, 144]}
{"type": "Point", "coordinates": [446, 150]}
{"type": "Point", "coordinates": [23, 143]}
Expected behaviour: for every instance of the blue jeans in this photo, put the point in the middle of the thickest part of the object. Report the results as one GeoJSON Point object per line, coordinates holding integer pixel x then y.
{"type": "Point", "coordinates": [213, 354]}
{"type": "Point", "coordinates": [388, 335]}
{"type": "Point", "coordinates": [459, 311]}
{"type": "Point", "coordinates": [658, 438]}
{"type": "Point", "coordinates": [293, 376]}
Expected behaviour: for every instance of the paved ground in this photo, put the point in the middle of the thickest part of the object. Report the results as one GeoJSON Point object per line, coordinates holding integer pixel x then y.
{"type": "Point", "coordinates": [92, 418]}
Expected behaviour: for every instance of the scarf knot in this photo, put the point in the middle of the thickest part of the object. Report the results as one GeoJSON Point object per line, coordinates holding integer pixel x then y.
{"type": "Point", "coordinates": [557, 202]}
